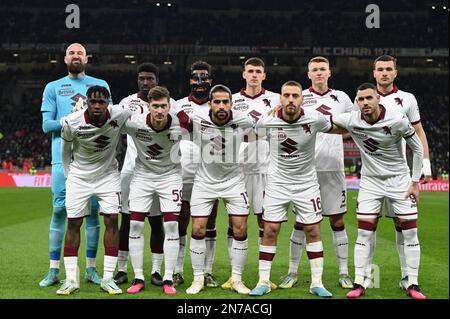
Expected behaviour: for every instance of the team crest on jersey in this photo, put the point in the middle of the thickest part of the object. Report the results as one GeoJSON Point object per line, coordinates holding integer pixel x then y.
{"type": "Point", "coordinates": [324, 109]}
{"type": "Point", "coordinates": [387, 130]}
{"type": "Point", "coordinates": [307, 128]}
{"type": "Point", "coordinates": [255, 115]}
{"type": "Point", "coordinates": [309, 102]}
{"type": "Point", "coordinates": [334, 97]}
{"type": "Point", "coordinates": [399, 101]}
{"type": "Point", "coordinates": [114, 124]}
{"type": "Point", "coordinates": [266, 102]}
{"type": "Point", "coordinates": [241, 107]}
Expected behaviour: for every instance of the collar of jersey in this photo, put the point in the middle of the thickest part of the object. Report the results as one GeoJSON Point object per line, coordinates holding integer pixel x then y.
{"type": "Point", "coordinates": [141, 96]}
{"type": "Point", "coordinates": [321, 94]}
{"type": "Point", "coordinates": [88, 119]}
{"type": "Point", "coordinates": [380, 117]}
{"type": "Point", "coordinates": [242, 92]}
{"type": "Point", "coordinates": [394, 90]}
{"type": "Point", "coordinates": [148, 120]}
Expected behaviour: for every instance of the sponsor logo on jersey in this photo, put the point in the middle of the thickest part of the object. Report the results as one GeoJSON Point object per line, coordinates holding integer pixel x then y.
{"type": "Point", "coordinates": [307, 128]}
{"type": "Point", "coordinates": [324, 109]}
{"type": "Point", "coordinates": [84, 127]}
{"type": "Point", "coordinates": [66, 92]}
{"type": "Point", "coordinates": [387, 130]}
{"type": "Point", "coordinates": [218, 144]}
{"type": "Point", "coordinates": [76, 97]}
{"type": "Point", "coordinates": [239, 100]}
{"type": "Point", "coordinates": [309, 102]}
{"type": "Point", "coordinates": [278, 135]}
{"type": "Point", "coordinates": [371, 145]}
{"type": "Point", "coordinates": [143, 135]}
{"type": "Point", "coordinates": [101, 143]}
{"type": "Point", "coordinates": [154, 150]}
{"type": "Point", "coordinates": [66, 85]}
{"type": "Point", "coordinates": [399, 101]}
{"type": "Point", "coordinates": [358, 132]}
{"type": "Point", "coordinates": [81, 135]}
{"type": "Point", "coordinates": [255, 115]}
{"type": "Point", "coordinates": [289, 146]}
{"type": "Point", "coordinates": [241, 107]}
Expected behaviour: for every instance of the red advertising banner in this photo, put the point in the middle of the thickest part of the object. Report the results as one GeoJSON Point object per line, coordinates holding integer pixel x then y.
{"type": "Point", "coordinates": [351, 149]}
{"type": "Point", "coordinates": [436, 185]}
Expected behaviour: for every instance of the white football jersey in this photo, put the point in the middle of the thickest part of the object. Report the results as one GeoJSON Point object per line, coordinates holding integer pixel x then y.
{"type": "Point", "coordinates": [94, 148]}
{"type": "Point", "coordinates": [329, 147]}
{"type": "Point", "coordinates": [405, 103]}
{"type": "Point", "coordinates": [190, 152]}
{"type": "Point", "coordinates": [254, 156]}
{"type": "Point", "coordinates": [138, 106]}
{"type": "Point", "coordinates": [292, 145]}
{"type": "Point", "coordinates": [157, 150]}
{"type": "Point", "coordinates": [219, 145]}
{"type": "Point", "coordinates": [380, 143]}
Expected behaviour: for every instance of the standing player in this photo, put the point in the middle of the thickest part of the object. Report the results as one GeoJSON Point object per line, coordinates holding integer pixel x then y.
{"type": "Point", "coordinates": [292, 178]}
{"type": "Point", "coordinates": [329, 161]}
{"type": "Point", "coordinates": [89, 141]}
{"type": "Point", "coordinates": [147, 78]}
{"type": "Point", "coordinates": [385, 73]}
{"type": "Point", "coordinates": [157, 173]}
{"type": "Point", "coordinates": [219, 132]}
{"type": "Point", "coordinates": [378, 130]}
{"type": "Point", "coordinates": [255, 101]}
{"type": "Point", "coordinates": [200, 84]}
{"type": "Point", "coordinates": [62, 97]}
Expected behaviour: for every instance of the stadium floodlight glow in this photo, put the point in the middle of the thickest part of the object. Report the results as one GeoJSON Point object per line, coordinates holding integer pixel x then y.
{"type": "Point", "coordinates": [53, 61]}
{"type": "Point", "coordinates": [129, 56]}
{"type": "Point", "coordinates": [444, 7]}
{"type": "Point", "coordinates": [158, 4]}
{"type": "Point", "coordinates": [168, 62]}
{"type": "Point", "coordinates": [169, 4]}
{"type": "Point", "coordinates": [16, 54]}
{"type": "Point", "coordinates": [242, 57]}
{"type": "Point", "coordinates": [133, 62]}
{"type": "Point", "coordinates": [429, 60]}
{"type": "Point", "coordinates": [433, 7]}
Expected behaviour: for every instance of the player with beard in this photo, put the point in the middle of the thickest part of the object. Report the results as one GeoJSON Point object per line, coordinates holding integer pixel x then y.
{"type": "Point", "coordinates": [147, 78]}
{"type": "Point", "coordinates": [60, 98]}
{"type": "Point", "coordinates": [200, 84]}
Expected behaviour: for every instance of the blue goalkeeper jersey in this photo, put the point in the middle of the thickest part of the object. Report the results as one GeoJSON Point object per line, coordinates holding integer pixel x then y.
{"type": "Point", "coordinates": [59, 98]}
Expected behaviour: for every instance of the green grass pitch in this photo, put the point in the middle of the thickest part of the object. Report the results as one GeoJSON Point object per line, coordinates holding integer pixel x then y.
{"type": "Point", "coordinates": [25, 217]}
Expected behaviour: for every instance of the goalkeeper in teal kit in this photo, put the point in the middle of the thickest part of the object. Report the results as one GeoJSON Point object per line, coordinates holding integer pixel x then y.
{"type": "Point", "coordinates": [61, 97]}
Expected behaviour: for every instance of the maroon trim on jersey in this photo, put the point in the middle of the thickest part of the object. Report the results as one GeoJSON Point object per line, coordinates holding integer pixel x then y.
{"type": "Point", "coordinates": [242, 92]}
{"type": "Point", "coordinates": [229, 118]}
{"type": "Point", "coordinates": [280, 115]}
{"type": "Point", "coordinates": [380, 117]}
{"type": "Point", "coordinates": [185, 121]}
{"type": "Point", "coordinates": [416, 122]}
{"type": "Point", "coordinates": [88, 119]}
{"type": "Point", "coordinates": [191, 98]}
{"type": "Point", "coordinates": [148, 120]}
{"type": "Point", "coordinates": [266, 256]}
{"type": "Point", "coordinates": [142, 96]}
{"type": "Point", "coordinates": [313, 223]}
{"type": "Point", "coordinates": [321, 94]}
{"type": "Point", "coordinates": [394, 90]}
{"type": "Point", "coordinates": [314, 254]}
{"type": "Point", "coordinates": [409, 136]}
{"type": "Point", "coordinates": [270, 221]}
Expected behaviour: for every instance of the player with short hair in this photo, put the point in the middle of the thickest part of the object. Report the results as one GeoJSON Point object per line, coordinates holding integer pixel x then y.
{"type": "Point", "coordinates": [88, 150]}
{"type": "Point", "coordinates": [378, 131]}
{"type": "Point", "coordinates": [60, 98]}
{"type": "Point", "coordinates": [255, 101]}
{"type": "Point", "coordinates": [219, 132]}
{"type": "Point", "coordinates": [329, 162]}
{"type": "Point", "coordinates": [292, 177]}
{"type": "Point", "coordinates": [147, 78]}
{"type": "Point", "coordinates": [385, 72]}
{"type": "Point", "coordinates": [157, 174]}
{"type": "Point", "coordinates": [200, 84]}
